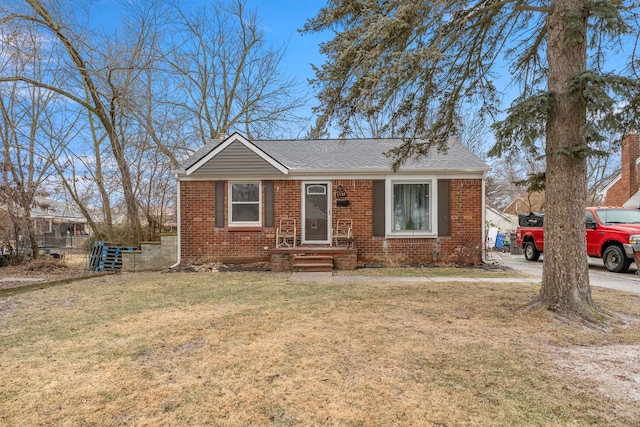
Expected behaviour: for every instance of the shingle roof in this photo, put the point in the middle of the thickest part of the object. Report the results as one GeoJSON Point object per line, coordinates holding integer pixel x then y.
{"type": "Point", "coordinates": [351, 154]}
{"type": "Point", "coordinates": [58, 209]}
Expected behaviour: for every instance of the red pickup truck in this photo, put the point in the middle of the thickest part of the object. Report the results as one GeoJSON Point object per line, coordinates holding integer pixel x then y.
{"type": "Point", "coordinates": [610, 232]}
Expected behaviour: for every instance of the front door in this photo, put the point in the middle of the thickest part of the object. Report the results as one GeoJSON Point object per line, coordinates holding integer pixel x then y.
{"type": "Point", "coordinates": [317, 216]}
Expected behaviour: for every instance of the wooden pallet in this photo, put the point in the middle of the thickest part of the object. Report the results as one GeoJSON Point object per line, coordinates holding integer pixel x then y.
{"type": "Point", "coordinates": [107, 257]}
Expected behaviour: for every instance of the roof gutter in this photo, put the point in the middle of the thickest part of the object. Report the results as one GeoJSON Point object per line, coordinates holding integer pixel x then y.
{"type": "Point", "coordinates": [370, 172]}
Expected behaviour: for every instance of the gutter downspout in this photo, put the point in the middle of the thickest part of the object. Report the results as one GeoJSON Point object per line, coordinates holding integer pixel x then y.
{"type": "Point", "coordinates": [178, 222]}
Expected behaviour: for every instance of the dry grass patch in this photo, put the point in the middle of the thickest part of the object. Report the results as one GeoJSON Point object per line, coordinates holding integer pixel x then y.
{"type": "Point", "coordinates": [242, 349]}
{"type": "Point", "coordinates": [485, 271]}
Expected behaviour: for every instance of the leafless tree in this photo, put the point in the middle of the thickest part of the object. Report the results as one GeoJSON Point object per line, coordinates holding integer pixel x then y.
{"type": "Point", "coordinates": [229, 77]}
{"type": "Point", "coordinates": [602, 169]}
{"type": "Point", "coordinates": [102, 86]}
{"type": "Point", "coordinates": [23, 108]}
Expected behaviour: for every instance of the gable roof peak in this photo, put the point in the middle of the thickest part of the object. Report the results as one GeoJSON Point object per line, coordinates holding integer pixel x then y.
{"type": "Point", "coordinates": [216, 147]}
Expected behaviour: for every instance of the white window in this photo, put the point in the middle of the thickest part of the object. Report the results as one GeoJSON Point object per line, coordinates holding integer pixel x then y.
{"type": "Point", "coordinates": [244, 204]}
{"type": "Point", "coordinates": [410, 207]}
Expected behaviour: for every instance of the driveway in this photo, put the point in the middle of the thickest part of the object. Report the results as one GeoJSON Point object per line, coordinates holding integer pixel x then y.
{"type": "Point", "coordinates": [598, 275]}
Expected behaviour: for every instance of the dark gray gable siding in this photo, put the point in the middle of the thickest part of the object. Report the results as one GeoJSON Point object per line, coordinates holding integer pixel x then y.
{"type": "Point", "coordinates": [236, 159]}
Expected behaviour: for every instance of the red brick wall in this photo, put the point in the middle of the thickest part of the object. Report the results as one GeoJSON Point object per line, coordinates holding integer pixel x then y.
{"type": "Point", "coordinates": [627, 186]}
{"type": "Point", "coordinates": [202, 242]}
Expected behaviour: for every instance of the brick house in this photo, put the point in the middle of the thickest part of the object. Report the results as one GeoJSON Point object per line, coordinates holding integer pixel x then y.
{"type": "Point", "coordinates": [526, 202]}
{"type": "Point", "coordinates": [624, 189]}
{"type": "Point", "coordinates": [234, 194]}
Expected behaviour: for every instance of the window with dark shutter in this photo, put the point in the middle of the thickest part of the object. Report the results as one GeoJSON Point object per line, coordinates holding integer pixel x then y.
{"type": "Point", "coordinates": [245, 202]}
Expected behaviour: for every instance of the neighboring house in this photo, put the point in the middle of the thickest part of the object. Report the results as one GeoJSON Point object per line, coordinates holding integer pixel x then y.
{"type": "Point", "coordinates": [624, 189]}
{"type": "Point", "coordinates": [232, 195]}
{"type": "Point", "coordinates": [56, 223]}
{"type": "Point", "coordinates": [526, 203]}
{"type": "Point", "coordinates": [499, 223]}
{"type": "Point", "coordinates": [504, 222]}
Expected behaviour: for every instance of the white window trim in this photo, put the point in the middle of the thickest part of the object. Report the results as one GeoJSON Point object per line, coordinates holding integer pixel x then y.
{"type": "Point", "coordinates": [433, 203]}
{"type": "Point", "coordinates": [230, 203]}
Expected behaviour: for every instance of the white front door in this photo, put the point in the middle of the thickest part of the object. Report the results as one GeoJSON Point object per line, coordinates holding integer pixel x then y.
{"type": "Point", "coordinates": [316, 214]}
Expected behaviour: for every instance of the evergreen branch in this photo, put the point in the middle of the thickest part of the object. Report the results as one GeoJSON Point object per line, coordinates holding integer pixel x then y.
{"type": "Point", "coordinates": [523, 126]}
{"type": "Point", "coordinates": [577, 152]}
{"type": "Point", "coordinates": [535, 182]}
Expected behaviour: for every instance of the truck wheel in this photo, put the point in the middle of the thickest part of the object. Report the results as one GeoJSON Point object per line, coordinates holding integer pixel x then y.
{"type": "Point", "coordinates": [531, 253]}
{"type": "Point", "coordinates": [615, 260]}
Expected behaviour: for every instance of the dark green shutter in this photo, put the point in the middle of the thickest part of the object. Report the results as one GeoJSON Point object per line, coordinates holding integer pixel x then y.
{"type": "Point", "coordinates": [378, 210]}
{"type": "Point", "coordinates": [268, 204]}
{"type": "Point", "coordinates": [444, 208]}
{"type": "Point", "coordinates": [219, 210]}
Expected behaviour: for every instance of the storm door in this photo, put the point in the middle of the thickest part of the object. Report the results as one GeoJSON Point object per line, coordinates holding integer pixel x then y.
{"type": "Point", "coordinates": [316, 214]}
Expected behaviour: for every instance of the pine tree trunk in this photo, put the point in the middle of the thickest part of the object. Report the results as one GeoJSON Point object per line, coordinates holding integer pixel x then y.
{"type": "Point", "coordinates": [565, 274]}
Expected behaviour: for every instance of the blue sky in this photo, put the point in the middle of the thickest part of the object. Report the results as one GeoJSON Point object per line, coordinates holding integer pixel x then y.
{"type": "Point", "coordinates": [281, 20]}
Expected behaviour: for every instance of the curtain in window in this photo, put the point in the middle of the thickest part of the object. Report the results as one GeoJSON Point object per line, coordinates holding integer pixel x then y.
{"type": "Point", "coordinates": [411, 207]}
